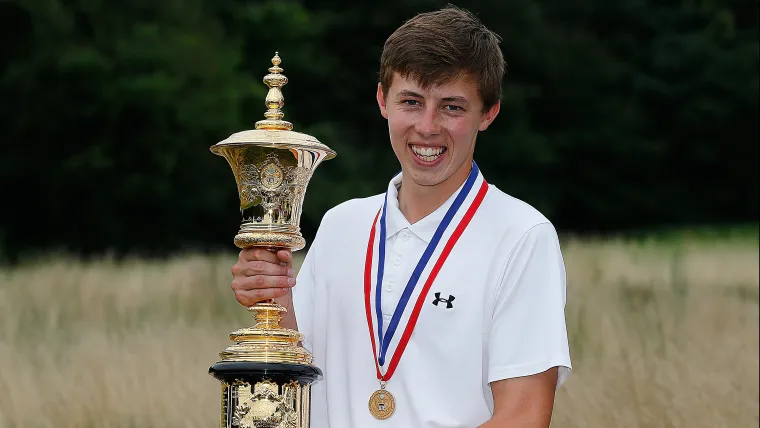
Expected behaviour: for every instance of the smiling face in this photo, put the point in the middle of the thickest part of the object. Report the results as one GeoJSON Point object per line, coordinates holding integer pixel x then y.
{"type": "Point", "coordinates": [433, 130]}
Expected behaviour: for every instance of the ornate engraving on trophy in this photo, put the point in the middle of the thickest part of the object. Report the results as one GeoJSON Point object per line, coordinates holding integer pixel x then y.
{"type": "Point", "coordinates": [267, 405]}
{"type": "Point", "coordinates": [225, 400]}
{"type": "Point", "coordinates": [239, 417]}
{"type": "Point", "coordinates": [271, 189]}
{"type": "Point", "coordinates": [271, 176]}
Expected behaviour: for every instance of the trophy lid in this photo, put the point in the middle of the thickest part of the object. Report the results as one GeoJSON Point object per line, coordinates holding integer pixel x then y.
{"type": "Point", "coordinates": [273, 131]}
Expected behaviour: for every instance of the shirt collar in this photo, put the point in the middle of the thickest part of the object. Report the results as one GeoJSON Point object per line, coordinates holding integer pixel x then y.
{"type": "Point", "coordinates": [425, 227]}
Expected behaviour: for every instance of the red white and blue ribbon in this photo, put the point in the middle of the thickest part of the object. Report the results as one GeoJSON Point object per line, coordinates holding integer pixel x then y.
{"type": "Point", "coordinates": [384, 338]}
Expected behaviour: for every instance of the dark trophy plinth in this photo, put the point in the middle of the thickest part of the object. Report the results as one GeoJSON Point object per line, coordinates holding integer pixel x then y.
{"type": "Point", "coordinates": [257, 390]}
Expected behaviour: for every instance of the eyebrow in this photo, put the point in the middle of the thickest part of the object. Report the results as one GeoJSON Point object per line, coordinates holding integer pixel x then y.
{"type": "Point", "coordinates": [408, 93]}
{"type": "Point", "coordinates": [455, 99]}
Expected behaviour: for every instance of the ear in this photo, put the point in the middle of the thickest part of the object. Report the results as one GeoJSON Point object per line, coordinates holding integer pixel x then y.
{"type": "Point", "coordinates": [489, 116]}
{"type": "Point", "coordinates": [381, 100]}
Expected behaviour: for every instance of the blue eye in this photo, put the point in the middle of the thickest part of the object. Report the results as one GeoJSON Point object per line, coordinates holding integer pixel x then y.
{"type": "Point", "coordinates": [453, 107]}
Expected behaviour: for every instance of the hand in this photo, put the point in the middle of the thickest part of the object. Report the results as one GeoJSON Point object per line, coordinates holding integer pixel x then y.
{"type": "Point", "coordinates": [260, 274]}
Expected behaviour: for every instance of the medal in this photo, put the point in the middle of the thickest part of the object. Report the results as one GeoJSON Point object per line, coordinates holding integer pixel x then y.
{"type": "Point", "coordinates": [382, 404]}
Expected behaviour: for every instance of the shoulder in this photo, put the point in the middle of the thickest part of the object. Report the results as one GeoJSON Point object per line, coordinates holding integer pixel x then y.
{"type": "Point", "coordinates": [512, 218]}
{"type": "Point", "coordinates": [528, 250]}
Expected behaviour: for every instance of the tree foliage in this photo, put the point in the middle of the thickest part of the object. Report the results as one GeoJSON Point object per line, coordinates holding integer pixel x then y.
{"type": "Point", "coordinates": [615, 115]}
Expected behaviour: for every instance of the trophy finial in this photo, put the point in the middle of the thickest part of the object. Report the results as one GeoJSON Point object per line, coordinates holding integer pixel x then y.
{"type": "Point", "coordinates": [275, 80]}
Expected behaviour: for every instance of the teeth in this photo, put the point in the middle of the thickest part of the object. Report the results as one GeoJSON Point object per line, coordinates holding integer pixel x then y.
{"type": "Point", "coordinates": [428, 154]}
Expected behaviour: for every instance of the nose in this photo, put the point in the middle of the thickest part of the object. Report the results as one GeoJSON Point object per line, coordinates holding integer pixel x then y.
{"type": "Point", "coordinates": [428, 123]}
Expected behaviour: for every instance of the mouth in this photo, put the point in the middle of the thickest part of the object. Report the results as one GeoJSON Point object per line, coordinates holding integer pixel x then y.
{"type": "Point", "coordinates": [427, 154]}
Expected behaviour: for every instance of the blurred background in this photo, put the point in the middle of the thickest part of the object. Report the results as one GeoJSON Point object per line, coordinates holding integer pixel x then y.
{"type": "Point", "coordinates": [631, 124]}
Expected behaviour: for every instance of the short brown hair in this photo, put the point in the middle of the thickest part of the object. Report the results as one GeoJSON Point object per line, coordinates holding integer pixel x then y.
{"type": "Point", "coordinates": [434, 48]}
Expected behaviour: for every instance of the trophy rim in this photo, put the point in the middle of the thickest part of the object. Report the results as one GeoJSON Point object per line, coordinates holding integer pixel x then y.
{"type": "Point", "coordinates": [278, 139]}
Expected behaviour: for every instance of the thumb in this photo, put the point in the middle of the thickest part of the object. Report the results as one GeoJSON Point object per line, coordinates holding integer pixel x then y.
{"type": "Point", "coordinates": [285, 256]}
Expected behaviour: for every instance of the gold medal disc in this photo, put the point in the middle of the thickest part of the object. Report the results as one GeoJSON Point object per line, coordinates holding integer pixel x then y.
{"type": "Point", "coordinates": [382, 404]}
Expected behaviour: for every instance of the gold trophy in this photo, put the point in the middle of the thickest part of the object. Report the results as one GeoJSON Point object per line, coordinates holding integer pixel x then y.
{"type": "Point", "coordinates": [266, 375]}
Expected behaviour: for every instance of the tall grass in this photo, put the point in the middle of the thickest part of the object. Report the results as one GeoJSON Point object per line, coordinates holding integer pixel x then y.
{"type": "Point", "coordinates": [662, 335]}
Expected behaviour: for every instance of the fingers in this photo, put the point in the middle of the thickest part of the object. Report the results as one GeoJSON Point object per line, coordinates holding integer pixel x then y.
{"type": "Point", "coordinates": [285, 256]}
{"type": "Point", "coordinates": [252, 289]}
{"type": "Point", "coordinates": [261, 268]}
{"type": "Point", "coordinates": [261, 274]}
{"type": "Point", "coordinates": [251, 297]}
{"type": "Point", "coordinates": [243, 282]}
{"type": "Point", "coordinates": [263, 254]}
{"type": "Point", "coordinates": [260, 254]}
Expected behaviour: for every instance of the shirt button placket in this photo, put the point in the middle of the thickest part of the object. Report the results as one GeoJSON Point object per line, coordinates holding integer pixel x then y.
{"type": "Point", "coordinates": [394, 267]}
{"type": "Point", "coordinates": [397, 261]}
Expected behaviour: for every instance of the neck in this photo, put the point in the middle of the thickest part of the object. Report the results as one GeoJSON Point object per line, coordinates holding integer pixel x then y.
{"type": "Point", "coordinates": [416, 201]}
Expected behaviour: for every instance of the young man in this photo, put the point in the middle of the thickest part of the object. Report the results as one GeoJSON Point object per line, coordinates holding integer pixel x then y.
{"type": "Point", "coordinates": [439, 303]}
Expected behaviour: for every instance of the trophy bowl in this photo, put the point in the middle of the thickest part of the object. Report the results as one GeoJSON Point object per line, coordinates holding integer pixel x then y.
{"type": "Point", "coordinates": [272, 169]}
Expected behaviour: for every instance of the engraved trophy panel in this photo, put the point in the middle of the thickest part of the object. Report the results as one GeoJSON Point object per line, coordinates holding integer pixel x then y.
{"type": "Point", "coordinates": [265, 404]}
{"type": "Point", "coordinates": [271, 186]}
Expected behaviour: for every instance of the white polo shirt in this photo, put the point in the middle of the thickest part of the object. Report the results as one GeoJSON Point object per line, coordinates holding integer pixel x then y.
{"type": "Point", "coordinates": [499, 314]}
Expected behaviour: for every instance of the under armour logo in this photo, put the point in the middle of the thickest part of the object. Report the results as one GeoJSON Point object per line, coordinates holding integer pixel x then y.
{"type": "Point", "coordinates": [448, 301]}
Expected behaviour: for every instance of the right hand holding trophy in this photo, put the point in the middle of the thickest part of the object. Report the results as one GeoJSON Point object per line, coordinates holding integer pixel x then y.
{"type": "Point", "coordinates": [260, 274]}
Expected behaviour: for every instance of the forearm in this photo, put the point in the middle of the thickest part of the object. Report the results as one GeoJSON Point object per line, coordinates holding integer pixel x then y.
{"type": "Point", "coordinates": [289, 319]}
{"type": "Point", "coordinates": [524, 402]}
{"type": "Point", "coordinates": [491, 424]}
{"type": "Point", "coordinates": [514, 423]}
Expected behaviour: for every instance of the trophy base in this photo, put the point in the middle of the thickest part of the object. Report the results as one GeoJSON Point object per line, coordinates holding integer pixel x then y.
{"type": "Point", "coordinates": [268, 239]}
{"type": "Point", "coordinates": [265, 395]}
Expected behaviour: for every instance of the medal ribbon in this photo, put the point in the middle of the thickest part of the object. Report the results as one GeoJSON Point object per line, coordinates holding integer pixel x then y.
{"type": "Point", "coordinates": [385, 340]}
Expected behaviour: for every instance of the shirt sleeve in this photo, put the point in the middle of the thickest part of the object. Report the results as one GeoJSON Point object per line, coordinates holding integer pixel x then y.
{"type": "Point", "coordinates": [528, 332]}
{"type": "Point", "coordinates": [302, 298]}
{"type": "Point", "coordinates": [303, 291]}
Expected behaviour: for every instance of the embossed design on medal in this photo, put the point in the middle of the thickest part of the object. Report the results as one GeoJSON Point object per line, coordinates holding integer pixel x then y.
{"type": "Point", "coordinates": [382, 404]}
{"type": "Point", "coordinates": [266, 407]}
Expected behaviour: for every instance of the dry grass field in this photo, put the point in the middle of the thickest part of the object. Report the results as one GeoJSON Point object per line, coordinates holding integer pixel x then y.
{"type": "Point", "coordinates": [662, 335]}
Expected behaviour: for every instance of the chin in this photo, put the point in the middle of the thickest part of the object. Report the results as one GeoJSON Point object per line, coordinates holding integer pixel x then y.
{"type": "Point", "coordinates": [426, 177]}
